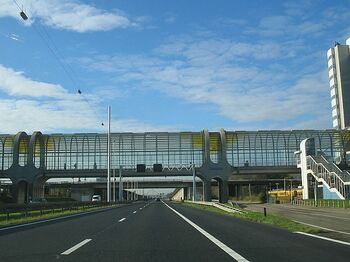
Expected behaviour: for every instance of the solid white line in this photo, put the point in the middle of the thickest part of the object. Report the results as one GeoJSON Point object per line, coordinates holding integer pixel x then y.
{"type": "Point", "coordinates": [324, 238]}
{"type": "Point", "coordinates": [325, 228]}
{"type": "Point", "coordinates": [52, 219]}
{"type": "Point", "coordinates": [217, 242]}
{"type": "Point", "coordinates": [72, 249]}
{"type": "Point", "coordinates": [135, 212]}
{"type": "Point", "coordinates": [121, 220]}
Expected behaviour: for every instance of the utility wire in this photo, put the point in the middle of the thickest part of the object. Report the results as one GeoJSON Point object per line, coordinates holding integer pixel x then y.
{"type": "Point", "coordinates": [57, 54]}
{"type": "Point", "coordinates": [17, 4]}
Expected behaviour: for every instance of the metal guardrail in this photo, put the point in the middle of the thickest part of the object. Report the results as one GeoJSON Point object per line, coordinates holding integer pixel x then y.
{"type": "Point", "coordinates": [217, 205]}
{"type": "Point", "coordinates": [15, 208]}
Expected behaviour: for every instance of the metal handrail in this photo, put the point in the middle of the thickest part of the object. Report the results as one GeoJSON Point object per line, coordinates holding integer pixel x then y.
{"type": "Point", "coordinates": [331, 167]}
{"type": "Point", "coordinates": [332, 178]}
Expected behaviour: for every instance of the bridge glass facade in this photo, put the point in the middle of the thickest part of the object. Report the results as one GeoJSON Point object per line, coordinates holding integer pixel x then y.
{"type": "Point", "coordinates": [172, 150]}
{"type": "Point", "coordinates": [276, 148]}
{"type": "Point", "coordinates": [89, 151]}
{"type": "Point", "coordinates": [6, 151]}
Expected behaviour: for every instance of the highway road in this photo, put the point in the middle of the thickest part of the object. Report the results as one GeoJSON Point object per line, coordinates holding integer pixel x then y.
{"type": "Point", "coordinates": [157, 231]}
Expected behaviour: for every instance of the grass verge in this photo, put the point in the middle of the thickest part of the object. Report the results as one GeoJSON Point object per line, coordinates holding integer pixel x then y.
{"type": "Point", "coordinates": [270, 219]}
{"type": "Point", "coordinates": [47, 214]}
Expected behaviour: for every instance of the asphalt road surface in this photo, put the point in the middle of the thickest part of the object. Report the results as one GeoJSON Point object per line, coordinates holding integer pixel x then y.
{"type": "Point", "coordinates": [157, 231]}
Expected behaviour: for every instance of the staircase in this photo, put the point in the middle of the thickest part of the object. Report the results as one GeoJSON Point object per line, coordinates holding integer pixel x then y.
{"type": "Point", "coordinates": [335, 179]}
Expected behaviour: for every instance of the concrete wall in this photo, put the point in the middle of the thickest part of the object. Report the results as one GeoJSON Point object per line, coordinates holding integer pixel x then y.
{"type": "Point", "coordinates": [179, 195]}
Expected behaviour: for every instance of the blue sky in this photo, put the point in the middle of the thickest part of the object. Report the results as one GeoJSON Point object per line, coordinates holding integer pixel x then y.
{"type": "Point", "coordinates": [163, 65]}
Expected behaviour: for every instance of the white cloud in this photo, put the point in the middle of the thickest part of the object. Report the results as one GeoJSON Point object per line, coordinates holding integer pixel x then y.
{"type": "Point", "coordinates": [64, 116]}
{"type": "Point", "coordinates": [34, 105]}
{"type": "Point", "coordinates": [235, 78]}
{"type": "Point", "coordinates": [68, 14]}
{"type": "Point", "coordinates": [15, 83]}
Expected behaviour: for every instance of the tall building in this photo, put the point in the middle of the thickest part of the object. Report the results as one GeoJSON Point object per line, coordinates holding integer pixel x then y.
{"type": "Point", "coordinates": [339, 81]}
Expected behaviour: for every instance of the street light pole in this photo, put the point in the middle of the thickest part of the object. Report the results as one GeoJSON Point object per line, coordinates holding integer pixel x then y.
{"type": "Point", "coordinates": [291, 191]}
{"type": "Point", "coordinates": [120, 184]}
{"type": "Point", "coordinates": [194, 182]}
{"type": "Point", "coordinates": [113, 183]}
{"type": "Point", "coordinates": [109, 156]}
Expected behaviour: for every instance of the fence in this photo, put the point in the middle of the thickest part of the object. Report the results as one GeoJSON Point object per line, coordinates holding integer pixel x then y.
{"type": "Point", "coordinates": [10, 213]}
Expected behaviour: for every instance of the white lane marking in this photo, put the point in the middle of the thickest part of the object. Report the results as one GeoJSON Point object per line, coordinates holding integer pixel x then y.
{"type": "Point", "coordinates": [121, 220]}
{"type": "Point", "coordinates": [53, 219]}
{"type": "Point", "coordinates": [324, 238]}
{"type": "Point", "coordinates": [72, 249]}
{"type": "Point", "coordinates": [216, 241]}
{"type": "Point", "coordinates": [135, 212]}
{"type": "Point", "coordinates": [325, 228]}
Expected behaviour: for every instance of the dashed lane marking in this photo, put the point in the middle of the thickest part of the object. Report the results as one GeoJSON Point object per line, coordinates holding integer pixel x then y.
{"type": "Point", "coordinates": [79, 245]}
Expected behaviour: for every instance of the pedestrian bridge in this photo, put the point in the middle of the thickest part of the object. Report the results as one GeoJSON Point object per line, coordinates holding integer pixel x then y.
{"type": "Point", "coordinates": [29, 160]}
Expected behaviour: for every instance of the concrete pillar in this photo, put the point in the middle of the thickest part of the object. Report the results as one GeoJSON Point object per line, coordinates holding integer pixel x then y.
{"type": "Point", "coordinates": [206, 190]}
{"type": "Point", "coordinates": [223, 191]}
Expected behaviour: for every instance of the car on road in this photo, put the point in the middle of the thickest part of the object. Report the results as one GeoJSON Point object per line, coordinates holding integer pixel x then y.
{"type": "Point", "coordinates": [38, 201]}
{"type": "Point", "coordinates": [96, 198]}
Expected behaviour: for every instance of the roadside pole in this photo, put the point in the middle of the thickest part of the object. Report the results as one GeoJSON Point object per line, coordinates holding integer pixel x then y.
{"type": "Point", "coordinates": [194, 182]}
{"type": "Point", "coordinates": [315, 191]}
{"type": "Point", "coordinates": [291, 191]}
{"type": "Point", "coordinates": [120, 184]}
{"type": "Point", "coordinates": [113, 183]}
{"type": "Point", "coordinates": [109, 156]}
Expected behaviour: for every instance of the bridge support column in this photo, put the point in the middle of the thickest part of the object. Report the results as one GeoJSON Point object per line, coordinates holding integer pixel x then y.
{"type": "Point", "coordinates": [223, 191]}
{"type": "Point", "coordinates": [206, 190]}
{"type": "Point", "coordinates": [22, 192]}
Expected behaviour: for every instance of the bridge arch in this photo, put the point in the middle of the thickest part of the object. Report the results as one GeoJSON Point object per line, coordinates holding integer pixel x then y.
{"type": "Point", "coordinates": [36, 150]}
{"type": "Point", "coordinates": [73, 152]}
{"type": "Point", "coordinates": [281, 149]}
{"type": "Point", "coordinates": [85, 154]}
{"type": "Point", "coordinates": [97, 152]}
{"type": "Point", "coordinates": [51, 153]}
{"type": "Point", "coordinates": [246, 151]}
{"type": "Point", "coordinates": [270, 154]}
{"type": "Point", "coordinates": [326, 143]}
{"type": "Point", "coordinates": [62, 152]}
{"type": "Point", "coordinates": [232, 148]}
{"type": "Point", "coordinates": [258, 153]}
{"type": "Point", "coordinates": [20, 149]}
{"type": "Point", "coordinates": [292, 145]}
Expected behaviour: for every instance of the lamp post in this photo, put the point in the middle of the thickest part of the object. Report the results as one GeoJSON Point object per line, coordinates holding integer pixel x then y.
{"type": "Point", "coordinates": [109, 156]}
{"type": "Point", "coordinates": [120, 184]}
{"type": "Point", "coordinates": [194, 182]}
